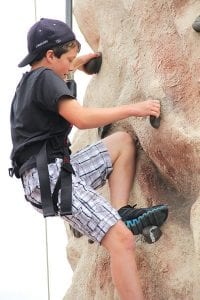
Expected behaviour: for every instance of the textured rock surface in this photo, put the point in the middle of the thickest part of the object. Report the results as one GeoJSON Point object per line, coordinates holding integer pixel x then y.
{"type": "Point", "coordinates": [149, 48]}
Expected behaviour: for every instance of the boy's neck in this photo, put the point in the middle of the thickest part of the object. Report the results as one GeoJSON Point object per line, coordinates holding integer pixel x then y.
{"type": "Point", "coordinates": [39, 64]}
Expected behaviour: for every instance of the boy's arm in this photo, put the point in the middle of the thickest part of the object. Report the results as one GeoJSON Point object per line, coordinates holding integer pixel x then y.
{"type": "Point", "coordinates": [87, 117]}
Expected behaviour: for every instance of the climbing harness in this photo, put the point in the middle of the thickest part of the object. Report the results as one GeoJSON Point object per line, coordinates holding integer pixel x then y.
{"type": "Point", "coordinates": [44, 153]}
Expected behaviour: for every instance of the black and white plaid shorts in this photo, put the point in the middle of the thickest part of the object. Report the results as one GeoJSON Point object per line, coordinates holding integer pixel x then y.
{"type": "Point", "coordinates": [92, 214]}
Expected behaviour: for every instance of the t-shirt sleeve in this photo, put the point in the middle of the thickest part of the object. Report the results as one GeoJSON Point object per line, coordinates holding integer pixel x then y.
{"type": "Point", "coordinates": [49, 89]}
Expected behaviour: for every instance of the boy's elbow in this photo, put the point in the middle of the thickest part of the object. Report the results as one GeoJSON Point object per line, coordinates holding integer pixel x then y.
{"type": "Point", "coordinates": [80, 124]}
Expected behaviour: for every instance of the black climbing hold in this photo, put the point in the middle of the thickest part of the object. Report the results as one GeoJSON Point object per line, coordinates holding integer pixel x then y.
{"type": "Point", "coordinates": [151, 234]}
{"type": "Point", "coordinates": [196, 24]}
{"type": "Point", "coordinates": [103, 131]}
{"type": "Point", "coordinates": [90, 241]}
{"type": "Point", "coordinates": [93, 65]}
{"type": "Point", "coordinates": [75, 232]}
{"type": "Point", "coordinates": [155, 122]}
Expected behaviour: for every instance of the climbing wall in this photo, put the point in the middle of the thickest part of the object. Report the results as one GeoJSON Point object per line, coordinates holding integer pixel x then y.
{"type": "Point", "coordinates": [149, 49]}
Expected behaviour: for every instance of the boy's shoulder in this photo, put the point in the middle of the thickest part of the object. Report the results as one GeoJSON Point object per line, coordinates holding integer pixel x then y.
{"type": "Point", "coordinates": [43, 73]}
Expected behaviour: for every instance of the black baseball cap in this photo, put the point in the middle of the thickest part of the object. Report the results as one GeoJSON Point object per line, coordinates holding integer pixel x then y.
{"type": "Point", "coordinates": [43, 35]}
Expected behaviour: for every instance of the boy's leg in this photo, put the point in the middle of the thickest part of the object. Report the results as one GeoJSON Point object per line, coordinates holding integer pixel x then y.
{"type": "Point", "coordinates": [122, 150]}
{"type": "Point", "coordinates": [120, 244]}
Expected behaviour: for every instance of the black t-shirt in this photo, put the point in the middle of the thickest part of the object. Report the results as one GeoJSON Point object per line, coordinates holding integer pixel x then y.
{"type": "Point", "coordinates": [34, 112]}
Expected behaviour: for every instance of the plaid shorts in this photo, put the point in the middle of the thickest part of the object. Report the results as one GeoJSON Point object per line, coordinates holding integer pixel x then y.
{"type": "Point", "coordinates": [92, 214]}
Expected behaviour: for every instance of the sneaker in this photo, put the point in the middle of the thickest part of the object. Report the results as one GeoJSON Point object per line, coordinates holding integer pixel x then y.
{"type": "Point", "coordinates": [196, 24]}
{"type": "Point", "coordinates": [136, 219]}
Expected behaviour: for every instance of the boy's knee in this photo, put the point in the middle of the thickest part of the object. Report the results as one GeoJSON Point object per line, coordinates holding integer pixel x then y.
{"type": "Point", "coordinates": [123, 142]}
{"type": "Point", "coordinates": [126, 240]}
{"type": "Point", "coordinates": [119, 238]}
{"type": "Point", "coordinates": [124, 137]}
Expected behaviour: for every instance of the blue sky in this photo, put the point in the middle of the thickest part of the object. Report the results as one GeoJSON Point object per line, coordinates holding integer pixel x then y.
{"type": "Point", "coordinates": [22, 230]}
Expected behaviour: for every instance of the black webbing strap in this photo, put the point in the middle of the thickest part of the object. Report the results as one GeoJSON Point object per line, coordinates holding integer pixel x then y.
{"type": "Point", "coordinates": [64, 182]}
{"type": "Point", "coordinates": [66, 187]}
{"type": "Point", "coordinates": [45, 190]}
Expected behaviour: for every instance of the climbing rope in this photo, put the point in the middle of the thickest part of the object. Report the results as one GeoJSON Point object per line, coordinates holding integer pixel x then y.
{"type": "Point", "coordinates": [35, 9]}
{"type": "Point", "coordinates": [47, 256]}
{"type": "Point", "coordinates": [45, 219]}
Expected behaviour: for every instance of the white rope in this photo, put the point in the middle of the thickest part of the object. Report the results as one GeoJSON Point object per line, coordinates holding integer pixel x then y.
{"type": "Point", "coordinates": [47, 257]}
{"type": "Point", "coordinates": [35, 9]}
{"type": "Point", "coordinates": [45, 220]}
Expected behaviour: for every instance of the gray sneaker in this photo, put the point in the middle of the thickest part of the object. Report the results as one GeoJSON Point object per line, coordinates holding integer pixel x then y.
{"type": "Point", "coordinates": [136, 219]}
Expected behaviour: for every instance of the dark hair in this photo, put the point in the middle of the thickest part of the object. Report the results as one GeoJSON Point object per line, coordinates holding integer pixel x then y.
{"type": "Point", "coordinates": [59, 50]}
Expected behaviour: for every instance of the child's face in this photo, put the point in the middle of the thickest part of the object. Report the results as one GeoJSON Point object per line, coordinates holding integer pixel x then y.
{"type": "Point", "coordinates": [63, 65]}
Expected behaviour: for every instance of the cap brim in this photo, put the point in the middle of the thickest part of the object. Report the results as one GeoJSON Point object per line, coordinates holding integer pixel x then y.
{"type": "Point", "coordinates": [27, 60]}
{"type": "Point", "coordinates": [32, 56]}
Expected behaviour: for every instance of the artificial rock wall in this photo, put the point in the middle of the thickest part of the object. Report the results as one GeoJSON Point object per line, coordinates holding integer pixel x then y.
{"type": "Point", "coordinates": [149, 49]}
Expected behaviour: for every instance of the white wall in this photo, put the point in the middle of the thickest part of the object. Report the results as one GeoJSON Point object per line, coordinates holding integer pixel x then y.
{"type": "Point", "coordinates": [22, 230]}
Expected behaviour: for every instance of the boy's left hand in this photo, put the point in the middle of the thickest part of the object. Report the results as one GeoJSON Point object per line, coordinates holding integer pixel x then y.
{"type": "Point", "coordinates": [80, 61]}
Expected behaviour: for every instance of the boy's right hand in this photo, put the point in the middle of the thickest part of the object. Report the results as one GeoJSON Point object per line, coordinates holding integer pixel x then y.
{"type": "Point", "coordinates": [150, 107]}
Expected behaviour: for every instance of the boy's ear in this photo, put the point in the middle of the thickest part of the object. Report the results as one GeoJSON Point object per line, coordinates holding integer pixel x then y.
{"type": "Point", "coordinates": [49, 55]}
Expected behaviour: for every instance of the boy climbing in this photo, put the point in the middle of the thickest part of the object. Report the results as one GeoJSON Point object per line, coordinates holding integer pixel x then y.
{"type": "Point", "coordinates": [57, 182]}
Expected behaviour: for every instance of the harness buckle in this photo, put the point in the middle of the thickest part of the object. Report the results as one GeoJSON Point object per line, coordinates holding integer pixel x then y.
{"type": "Point", "coordinates": [67, 167]}
{"type": "Point", "coordinates": [11, 172]}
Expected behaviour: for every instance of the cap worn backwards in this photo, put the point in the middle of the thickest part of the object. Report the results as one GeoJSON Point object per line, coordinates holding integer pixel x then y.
{"type": "Point", "coordinates": [43, 35]}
